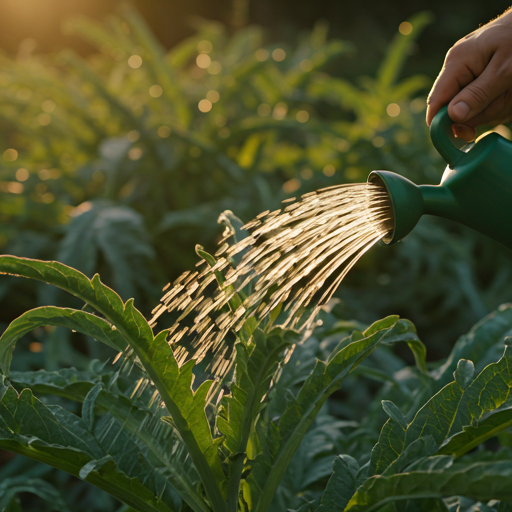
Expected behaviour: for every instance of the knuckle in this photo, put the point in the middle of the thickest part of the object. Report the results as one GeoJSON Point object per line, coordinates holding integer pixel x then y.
{"type": "Point", "coordinates": [478, 94]}
{"type": "Point", "coordinates": [455, 53]}
{"type": "Point", "coordinates": [452, 55]}
{"type": "Point", "coordinates": [504, 70]}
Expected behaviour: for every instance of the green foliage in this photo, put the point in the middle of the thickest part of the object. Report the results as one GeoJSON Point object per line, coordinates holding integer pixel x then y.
{"type": "Point", "coordinates": [123, 177]}
{"type": "Point", "coordinates": [269, 443]}
{"type": "Point", "coordinates": [10, 487]}
{"type": "Point", "coordinates": [125, 173]}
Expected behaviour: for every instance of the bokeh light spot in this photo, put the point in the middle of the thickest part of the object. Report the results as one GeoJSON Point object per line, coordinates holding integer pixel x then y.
{"type": "Point", "coordinates": [135, 61]}
{"type": "Point", "coordinates": [418, 105]}
{"type": "Point", "coordinates": [405, 28]}
{"type": "Point", "coordinates": [35, 347]}
{"type": "Point", "coordinates": [280, 111]}
{"type": "Point", "coordinates": [44, 174]}
{"type": "Point", "coordinates": [342, 145]}
{"type": "Point", "coordinates": [203, 60]}
{"type": "Point", "coordinates": [302, 116]}
{"type": "Point", "coordinates": [204, 105]}
{"type": "Point", "coordinates": [133, 135]}
{"type": "Point", "coordinates": [22, 174]}
{"type": "Point", "coordinates": [378, 141]}
{"type": "Point", "coordinates": [261, 55]}
{"type": "Point", "coordinates": [329, 170]}
{"type": "Point", "coordinates": [135, 153]}
{"type": "Point", "coordinates": [164, 132]}
{"type": "Point", "coordinates": [155, 91]}
{"type": "Point", "coordinates": [306, 174]}
{"type": "Point", "coordinates": [213, 96]}
{"type": "Point", "coordinates": [393, 110]}
{"type": "Point", "coordinates": [10, 155]}
{"type": "Point", "coordinates": [15, 187]}
{"type": "Point", "coordinates": [279, 55]}
{"type": "Point", "coordinates": [48, 106]}
{"type": "Point", "coordinates": [290, 186]}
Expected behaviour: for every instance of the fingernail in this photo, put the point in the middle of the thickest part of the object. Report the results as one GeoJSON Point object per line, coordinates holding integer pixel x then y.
{"type": "Point", "coordinates": [461, 110]}
{"type": "Point", "coordinates": [461, 131]}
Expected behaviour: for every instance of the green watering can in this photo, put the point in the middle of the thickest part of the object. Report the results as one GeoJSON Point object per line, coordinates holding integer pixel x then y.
{"type": "Point", "coordinates": [475, 190]}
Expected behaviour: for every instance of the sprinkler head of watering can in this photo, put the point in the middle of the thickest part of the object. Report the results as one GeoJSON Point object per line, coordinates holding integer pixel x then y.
{"type": "Point", "coordinates": [475, 190]}
{"type": "Point", "coordinates": [405, 203]}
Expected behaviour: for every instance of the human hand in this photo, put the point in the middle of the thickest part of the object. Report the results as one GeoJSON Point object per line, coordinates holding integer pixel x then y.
{"type": "Point", "coordinates": [476, 79]}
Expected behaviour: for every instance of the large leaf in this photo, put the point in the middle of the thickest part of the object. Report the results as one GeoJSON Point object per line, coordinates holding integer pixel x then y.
{"type": "Point", "coordinates": [56, 437]}
{"type": "Point", "coordinates": [256, 365]}
{"type": "Point", "coordinates": [281, 440]}
{"type": "Point", "coordinates": [461, 403]}
{"type": "Point", "coordinates": [482, 481]}
{"type": "Point", "coordinates": [483, 344]}
{"type": "Point", "coordinates": [116, 233]}
{"type": "Point", "coordinates": [187, 408]}
{"type": "Point", "coordinates": [154, 437]}
{"type": "Point", "coordinates": [79, 321]}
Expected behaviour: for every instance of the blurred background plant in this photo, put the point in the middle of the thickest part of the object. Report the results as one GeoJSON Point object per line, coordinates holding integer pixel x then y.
{"type": "Point", "coordinates": [118, 155]}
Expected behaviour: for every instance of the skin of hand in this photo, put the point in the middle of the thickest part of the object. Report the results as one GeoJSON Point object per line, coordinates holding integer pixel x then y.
{"type": "Point", "coordinates": [476, 79]}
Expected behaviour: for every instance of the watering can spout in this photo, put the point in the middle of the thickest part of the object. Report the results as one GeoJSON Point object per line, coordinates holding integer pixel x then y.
{"type": "Point", "coordinates": [475, 191]}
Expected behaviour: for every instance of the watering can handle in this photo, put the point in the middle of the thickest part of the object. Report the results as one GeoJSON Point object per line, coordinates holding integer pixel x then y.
{"type": "Point", "coordinates": [442, 137]}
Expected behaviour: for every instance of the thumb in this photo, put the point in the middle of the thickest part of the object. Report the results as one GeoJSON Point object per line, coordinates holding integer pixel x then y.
{"type": "Point", "coordinates": [478, 94]}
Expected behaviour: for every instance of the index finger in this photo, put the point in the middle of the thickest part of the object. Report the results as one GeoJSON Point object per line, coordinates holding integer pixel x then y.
{"type": "Point", "coordinates": [454, 76]}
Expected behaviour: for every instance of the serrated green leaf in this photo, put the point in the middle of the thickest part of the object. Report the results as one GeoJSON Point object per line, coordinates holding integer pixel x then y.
{"type": "Point", "coordinates": [118, 234]}
{"type": "Point", "coordinates": [483, 344]}
{"type": "Point", "coordinates": [481, 481]}
{"type": "Point", "coordinates": [255, 368]}
{"type": "Point", "coordinates": [73, 319]}
{"type": "Point", "coordinates": [448, 412]}
{"type": "Point", "coordinates": [283, 438]}
{"type": "Point", "coordinates": [147, 429]}
{"type": "Point", "coordinates": [58, 438]}
{"type": "Point", "coordinates": [174, 385]}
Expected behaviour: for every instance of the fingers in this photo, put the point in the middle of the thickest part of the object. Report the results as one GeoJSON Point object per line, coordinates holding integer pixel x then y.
{"type": "Point", "coordinates": [497, 112]}
{"type": "Point", "coordinates": [455, 75]}
{"type": "Point", "coordinates": [481, 92]}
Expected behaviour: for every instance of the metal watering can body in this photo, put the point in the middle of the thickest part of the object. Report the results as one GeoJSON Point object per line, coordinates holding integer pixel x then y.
{"type": "Point", "coordinates": [476, 188]}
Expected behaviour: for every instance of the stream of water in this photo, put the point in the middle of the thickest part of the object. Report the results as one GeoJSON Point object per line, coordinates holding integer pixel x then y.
{"type": "Point", "coordinates": [295, 257]}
